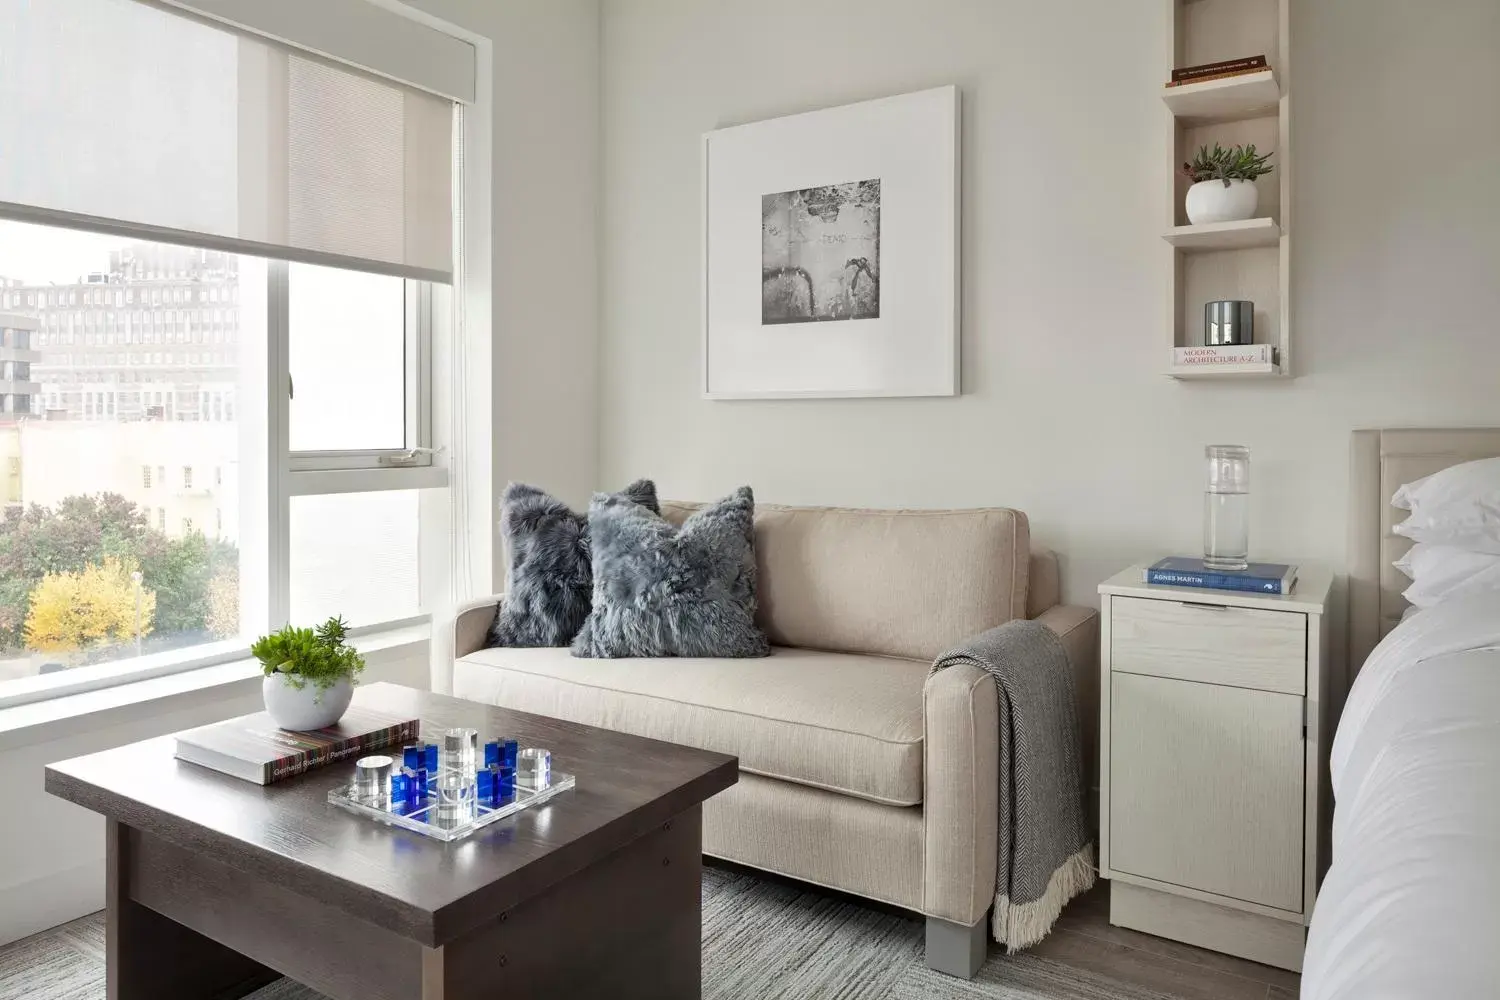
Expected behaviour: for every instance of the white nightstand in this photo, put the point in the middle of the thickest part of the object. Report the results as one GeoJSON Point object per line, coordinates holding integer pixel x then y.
{"type": "Point", "coordinates": [1213, 746]}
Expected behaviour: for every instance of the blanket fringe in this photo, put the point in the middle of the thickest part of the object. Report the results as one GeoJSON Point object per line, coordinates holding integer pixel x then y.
{"type": "Point", "coordinates": [1021, 925]}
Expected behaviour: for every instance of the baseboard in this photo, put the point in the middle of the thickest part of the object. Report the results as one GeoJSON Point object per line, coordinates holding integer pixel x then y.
{"type": "Point", "coordinates": [1218, 928]}
{"type": "Point", "coordinates": [54, 898]}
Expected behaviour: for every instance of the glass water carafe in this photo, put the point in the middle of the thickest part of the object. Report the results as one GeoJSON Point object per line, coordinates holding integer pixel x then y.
{"type": "Point", "coordinates": [1226, 508]}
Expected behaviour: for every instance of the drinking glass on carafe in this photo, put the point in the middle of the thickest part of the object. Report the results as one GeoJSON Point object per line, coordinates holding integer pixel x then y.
{"type": "Point", "coordinates": [1226, 508]}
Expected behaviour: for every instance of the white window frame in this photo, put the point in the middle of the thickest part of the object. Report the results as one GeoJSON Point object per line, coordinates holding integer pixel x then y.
{"type": "Point", "coordinates": [409, 467]}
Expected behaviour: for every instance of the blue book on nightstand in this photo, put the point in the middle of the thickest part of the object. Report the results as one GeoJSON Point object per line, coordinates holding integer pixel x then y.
{"type": "Point", "coordinates": [1258, 578]}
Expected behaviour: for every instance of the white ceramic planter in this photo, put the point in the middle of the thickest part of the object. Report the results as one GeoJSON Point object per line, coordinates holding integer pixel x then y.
{"type": "Point", "coordinates": [1211, 201]}
{"type": "Point", "coordinates": [308, 707]}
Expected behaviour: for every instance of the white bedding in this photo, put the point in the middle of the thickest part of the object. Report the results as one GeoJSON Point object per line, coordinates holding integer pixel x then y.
{"type": "Point", "coordinates": [1411, 905]}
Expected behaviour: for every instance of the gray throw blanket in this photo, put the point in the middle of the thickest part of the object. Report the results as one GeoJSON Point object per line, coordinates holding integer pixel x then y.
{"type": "Point", "coordinates": [1045, 856]}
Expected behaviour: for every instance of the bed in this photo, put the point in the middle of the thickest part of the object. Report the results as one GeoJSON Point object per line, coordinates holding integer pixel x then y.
{"type": "Point", "coordinates": [1410, 907]}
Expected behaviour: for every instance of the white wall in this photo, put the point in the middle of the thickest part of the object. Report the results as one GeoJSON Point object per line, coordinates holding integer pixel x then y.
{"type": "Point", "coordinates": [545, 208]}
{"type": "Point", "coordinates": [1064, 412]}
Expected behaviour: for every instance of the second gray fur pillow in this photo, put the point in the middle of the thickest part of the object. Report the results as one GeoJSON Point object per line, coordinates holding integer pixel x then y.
{"type": "Point", "coordinates": [660, 590]}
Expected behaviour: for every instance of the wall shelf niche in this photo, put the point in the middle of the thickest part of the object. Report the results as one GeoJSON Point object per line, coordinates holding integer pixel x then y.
{"type": "Point", "coordinates": [1231, 260]}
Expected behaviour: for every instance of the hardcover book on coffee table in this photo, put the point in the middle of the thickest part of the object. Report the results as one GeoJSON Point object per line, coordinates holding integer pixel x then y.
{"type": "Point", "coordinates": [252, 748]}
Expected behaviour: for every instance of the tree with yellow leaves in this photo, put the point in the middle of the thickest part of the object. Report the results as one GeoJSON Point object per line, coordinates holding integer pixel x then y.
{"type": "Point", "coordinates": [94, 606]}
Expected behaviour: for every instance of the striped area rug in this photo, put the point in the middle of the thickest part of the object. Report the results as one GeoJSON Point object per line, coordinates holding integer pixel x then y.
{"type": "Point", "coordinates": [761, 939]}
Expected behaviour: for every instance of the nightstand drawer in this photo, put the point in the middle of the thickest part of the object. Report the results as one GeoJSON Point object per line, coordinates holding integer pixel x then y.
{"type": "Point", "coordinates": [1217, 644]}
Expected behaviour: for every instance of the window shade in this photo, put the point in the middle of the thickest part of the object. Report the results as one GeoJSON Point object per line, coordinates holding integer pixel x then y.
{"type": "Point", "coordinates": [119, 115]}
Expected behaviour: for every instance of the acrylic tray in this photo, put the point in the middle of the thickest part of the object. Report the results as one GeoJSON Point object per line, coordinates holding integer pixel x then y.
{"type": "Point", "coordinates": [426, 821]}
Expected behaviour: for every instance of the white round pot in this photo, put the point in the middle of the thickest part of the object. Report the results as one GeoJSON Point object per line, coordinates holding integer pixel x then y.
{"type": "Point", "coordinates": [1212, 201]}
{"type": "Point", "coordinates": [308, 707]}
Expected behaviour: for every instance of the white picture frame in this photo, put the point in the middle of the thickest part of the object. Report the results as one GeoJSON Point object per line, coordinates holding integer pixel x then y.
{"type": "Point", "coordinates": [857, 249]}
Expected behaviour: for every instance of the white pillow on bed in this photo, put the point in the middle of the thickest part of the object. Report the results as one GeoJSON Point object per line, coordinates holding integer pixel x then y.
{"type": "Point", "coordinates": [1459, 506]}
{"type": "Point", "coordinates": [1441, 572]}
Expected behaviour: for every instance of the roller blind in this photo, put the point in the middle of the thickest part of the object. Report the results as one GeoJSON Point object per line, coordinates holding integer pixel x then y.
{"type": "Point", "coordinates": [360, 33]}
{"type": "Point", "coordinates": [120, 115]}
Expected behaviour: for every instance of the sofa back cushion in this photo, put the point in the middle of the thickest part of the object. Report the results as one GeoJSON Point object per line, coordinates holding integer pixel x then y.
{"type": "Point", "coordinates": [906, 583]}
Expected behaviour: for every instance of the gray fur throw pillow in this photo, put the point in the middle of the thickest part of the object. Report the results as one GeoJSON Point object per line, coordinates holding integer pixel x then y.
{"type": "Point", "coordinates": [660, 590]}
{"type": "Point", "coordinates": [549, 580]}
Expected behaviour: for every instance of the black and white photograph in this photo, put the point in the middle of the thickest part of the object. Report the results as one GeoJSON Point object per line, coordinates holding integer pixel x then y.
{"type": "Point", "coordinates": [857, 252]}
{"type": "Point", "coordinates": [820, 253]}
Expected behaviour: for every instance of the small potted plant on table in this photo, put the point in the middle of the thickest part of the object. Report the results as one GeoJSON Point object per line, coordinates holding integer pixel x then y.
{"type": "Point", "coordinates": [1224, 183]}
{"type": "Point", "coordinates": [309, 674]}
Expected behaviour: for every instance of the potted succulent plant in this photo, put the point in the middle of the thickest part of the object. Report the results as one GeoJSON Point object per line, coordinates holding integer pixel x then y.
{"type": "Point", "coordinates": [1224, 183]}
{"type": "Point", "coordinates": [309, 674]}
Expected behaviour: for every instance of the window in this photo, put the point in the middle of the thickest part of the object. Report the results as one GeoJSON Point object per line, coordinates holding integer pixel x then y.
{"type": "Point", "coordinates": [313, 409]}
{"type": "Point", "coordinates": [355, 554]}
{"type": "Point", "coordinates": [348, 354]}
{"type": "Point", "coordinates": [354, 341]}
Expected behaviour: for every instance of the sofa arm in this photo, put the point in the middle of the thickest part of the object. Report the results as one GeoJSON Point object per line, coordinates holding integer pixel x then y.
{"type": "Point", "coordinates": [961, 787]}
{"type": "Point", "coordinates": [471, 624]}
{"type": "Point", "coordinates": [1078, 628]}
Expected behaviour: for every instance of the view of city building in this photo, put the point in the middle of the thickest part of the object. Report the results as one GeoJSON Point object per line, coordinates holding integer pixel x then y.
{"type": "Point", "coordinates": [153, 338]}
{"type": "Point", "coordinates": [17, 355]}
{"type": "Point", "coordinates": [84, 363]}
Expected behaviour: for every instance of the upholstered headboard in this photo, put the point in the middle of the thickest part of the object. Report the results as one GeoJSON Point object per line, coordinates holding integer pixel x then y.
{"type": "Point", "coordinates": [1381, 461]}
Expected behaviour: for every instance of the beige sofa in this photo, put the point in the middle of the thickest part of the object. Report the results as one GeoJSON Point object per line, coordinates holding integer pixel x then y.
{"type": "Point", "coordinates": [859, 770]}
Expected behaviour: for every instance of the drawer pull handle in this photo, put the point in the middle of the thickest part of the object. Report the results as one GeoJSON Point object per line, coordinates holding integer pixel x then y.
{"type": "Point", "coordinates": [1204, 607]}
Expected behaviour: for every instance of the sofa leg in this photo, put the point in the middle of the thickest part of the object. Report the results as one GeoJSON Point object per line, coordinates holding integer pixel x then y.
{"type": "Point", "coordinates": [956, 949]}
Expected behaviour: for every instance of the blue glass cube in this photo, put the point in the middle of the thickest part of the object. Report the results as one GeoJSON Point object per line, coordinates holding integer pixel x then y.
{"type": "Point", "coordinates": [432, 758]}
{"type": "Point", "coordinates": [416, 786]}
{"type": "Point", "coordinates": [492, 753]}
{"type": "Point", "coordinates": [411, 759]}
{"type": "Point", "coordinates": [508, 755]}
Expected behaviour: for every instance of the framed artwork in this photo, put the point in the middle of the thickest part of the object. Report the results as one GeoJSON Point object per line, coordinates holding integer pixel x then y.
{"type": "Point", "coordinates": [830, 252]}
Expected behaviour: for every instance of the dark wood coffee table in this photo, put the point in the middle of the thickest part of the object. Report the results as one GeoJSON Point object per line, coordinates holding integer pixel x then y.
{"type": "Point", "coordinates": [216, 886]}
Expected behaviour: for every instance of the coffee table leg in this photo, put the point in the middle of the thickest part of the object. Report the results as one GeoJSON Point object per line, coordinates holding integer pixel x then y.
{"type": "Point", "coordinates": [153, 958]}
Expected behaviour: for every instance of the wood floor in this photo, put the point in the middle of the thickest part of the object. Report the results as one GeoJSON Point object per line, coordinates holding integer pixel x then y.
{"type": "Point", "coordinates": [1084, 938]}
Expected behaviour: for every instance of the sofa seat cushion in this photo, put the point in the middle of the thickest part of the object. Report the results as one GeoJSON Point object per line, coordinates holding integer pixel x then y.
{"type": "Point", "coordinates": [848, 723]}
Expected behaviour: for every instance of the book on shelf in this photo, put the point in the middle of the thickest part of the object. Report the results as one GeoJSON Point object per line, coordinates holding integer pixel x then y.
{"type": "Point", "coordinates": [1229, 354]}
{"type": "Point", "coordinates": [1258, 578]}
{"type": "Point", "coordinates": [1216, 76]}
{"type": "Point", "coordinates": [252, 748]}
{"type": "Point", "coordinates": [1203, 71]}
